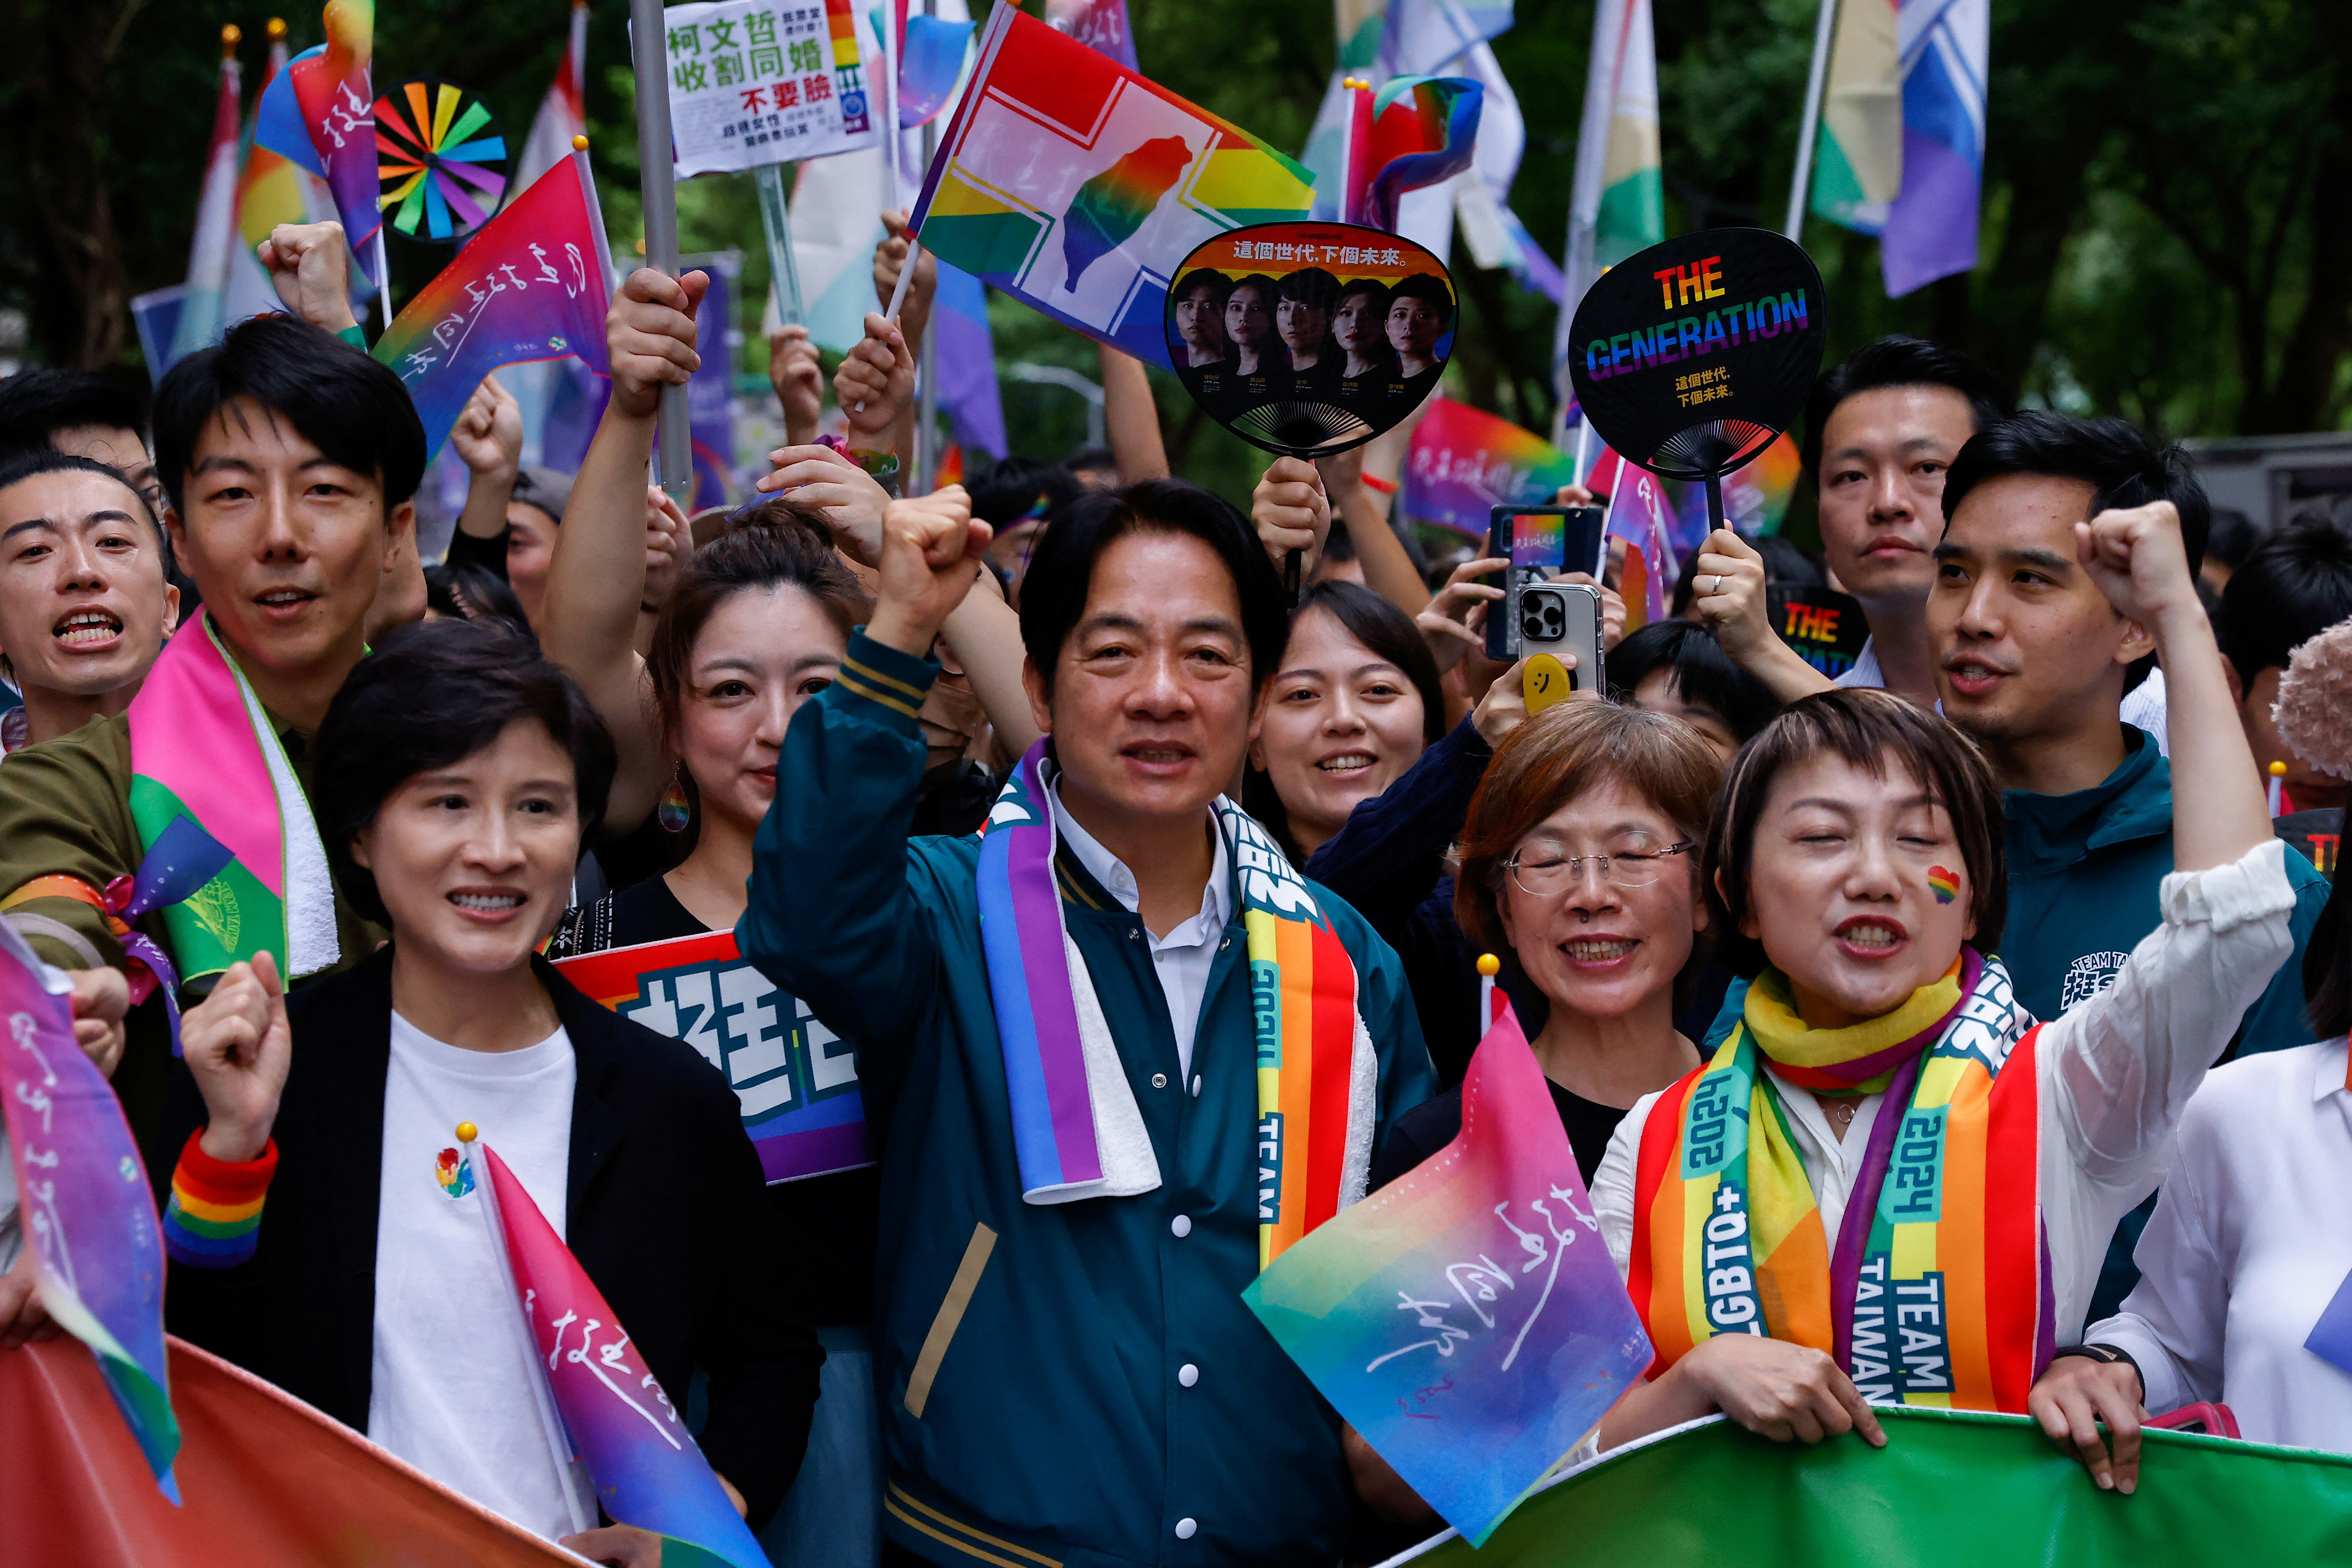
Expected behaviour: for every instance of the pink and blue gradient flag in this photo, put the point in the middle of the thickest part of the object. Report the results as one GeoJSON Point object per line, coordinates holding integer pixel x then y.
{"type": "Point", "coordinates": [1424, 130]}
{"type": "Point", "coordinates": [621, 1425]}
{"type": "Point", "coordinates": [532, 284]}
{"type": "Point", "coordinates": [319, 112]}
{"type": "Point", "coordinates": [88, 1214]}
{"type": "Point", "coordinates": [968, 392]}
{"type": "Point", "coordinates": [1464, 462]}
{"type": "Point", "coordinates": [931, 63]}
{"type": "Point", "coordinates": [1640, 513]}
{"type": "Point", "coordinates": [1466, 1319]}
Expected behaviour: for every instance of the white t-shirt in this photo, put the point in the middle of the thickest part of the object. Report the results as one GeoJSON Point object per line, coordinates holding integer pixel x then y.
{"type": "Point", "coordinates": [454, 1390]}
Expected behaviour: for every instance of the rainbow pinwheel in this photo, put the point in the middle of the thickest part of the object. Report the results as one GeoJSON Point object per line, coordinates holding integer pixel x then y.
{"type": "Point", "coordinates": [438, 154]}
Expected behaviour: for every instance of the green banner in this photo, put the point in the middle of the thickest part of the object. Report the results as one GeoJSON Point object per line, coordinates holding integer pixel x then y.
{"type": "Point", "coordinates": [1951, 1490]}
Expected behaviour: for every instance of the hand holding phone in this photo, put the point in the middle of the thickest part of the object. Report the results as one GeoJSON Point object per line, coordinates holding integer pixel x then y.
{"type": "Point", "coordinates": [1555, 621]}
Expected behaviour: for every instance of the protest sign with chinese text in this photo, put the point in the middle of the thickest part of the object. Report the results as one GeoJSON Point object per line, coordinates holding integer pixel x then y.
{"type": "Point", "coordinates": [1078, 187]}
{"type": "Point", "coordinates": [796, 1079]}
{"type": "Point", "coordinates": [765, 81]}
{"type": "Point", "coordinates": [1466, 1319]}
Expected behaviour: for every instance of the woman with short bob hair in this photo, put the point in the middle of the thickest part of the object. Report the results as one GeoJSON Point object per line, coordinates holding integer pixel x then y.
{"type": "Point", "coordinates": [454, 777]}
{"type": "Point", "coordinates": [1579, 868]}
{"type": "Point", "coordinates": [1883, 1075]}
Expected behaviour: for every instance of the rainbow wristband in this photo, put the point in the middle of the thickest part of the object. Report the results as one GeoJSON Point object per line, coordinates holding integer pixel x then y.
{"type": "Point", "coordinates": [214, 1219]}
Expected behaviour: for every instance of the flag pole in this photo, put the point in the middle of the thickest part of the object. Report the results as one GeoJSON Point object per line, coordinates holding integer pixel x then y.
{"type": "Point", "coordinates": [657, 184]}
{"type": "Point", "coordinates": [383, 282]}
{"type": "Point", "coordinates": [892, 199]}
{"type": "Point", "coordinates": [926, 372]}
{"type": "Point", "coordinates": [776, 218]}
{"type": "Point", "coordinates": [1824, 26]}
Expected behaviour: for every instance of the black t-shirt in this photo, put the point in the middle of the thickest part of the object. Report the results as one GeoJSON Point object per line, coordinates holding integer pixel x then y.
{"type": "Point", "coordinates": [1433, 1125]}
{"type": "Point", "coordinates": [828, 1223]}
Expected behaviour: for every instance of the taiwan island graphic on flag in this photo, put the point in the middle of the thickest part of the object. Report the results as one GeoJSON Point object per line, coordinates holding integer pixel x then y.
{"type": "Point", "coordinates": [1074, 185]}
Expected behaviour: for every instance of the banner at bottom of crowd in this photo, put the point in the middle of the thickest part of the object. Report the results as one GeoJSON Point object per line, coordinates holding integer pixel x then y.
{"type": "Point", "coordinates": [1951, 1490]}
{"type": "Point", "coordinates": [269, 1482]}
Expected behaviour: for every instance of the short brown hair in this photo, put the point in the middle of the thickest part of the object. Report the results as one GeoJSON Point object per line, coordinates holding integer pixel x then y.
{"type": "Point", "coordinates": [781, 542]}
{"type": "Point", "coordinates": [1553, 758]}
{"type": "Point", "coordinates": [1869, 729]}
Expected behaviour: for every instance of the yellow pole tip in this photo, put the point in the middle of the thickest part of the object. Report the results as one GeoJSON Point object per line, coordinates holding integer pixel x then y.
{"type": "Point", "coordinates": [277, 28]}
{"type": "Point", "coordinates": [2278, 770]}
{"type": "Point", "coordinates": [467, 1133]}
{"type": "Point", "coordinates": [580, 143]}
{"type": "Point", "coordinates": [231, 35]}
{"type": "Point", "coordinates": [1489, 965]}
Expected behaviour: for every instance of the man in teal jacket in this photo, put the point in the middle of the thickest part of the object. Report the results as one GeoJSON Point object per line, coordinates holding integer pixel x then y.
{"type": "Point", "coordinates": [2033, 662]}
{"type": "Point", "coordinates": [1078, 1382]}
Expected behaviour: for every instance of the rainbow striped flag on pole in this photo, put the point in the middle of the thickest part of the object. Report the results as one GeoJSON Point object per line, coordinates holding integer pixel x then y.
{"type": "Point", "coordinates": [1078, 187]}
{"type": "Point", "coordinates": [1903, 127]}
{"type": "Point", "coordinates": [1617, 205]}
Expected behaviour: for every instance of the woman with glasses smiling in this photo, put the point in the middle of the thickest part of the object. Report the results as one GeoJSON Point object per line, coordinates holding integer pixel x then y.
{"type": "Point", "coordinates": [1578, 868]}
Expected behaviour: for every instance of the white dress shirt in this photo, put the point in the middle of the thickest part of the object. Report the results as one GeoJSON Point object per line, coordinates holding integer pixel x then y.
{"type": "Point", "coordinates": [2247, 1247]}
{"type": "Point", "coordinates": [2113, 1076]}
{"type": "Point", "coordinates": [1183, 958]}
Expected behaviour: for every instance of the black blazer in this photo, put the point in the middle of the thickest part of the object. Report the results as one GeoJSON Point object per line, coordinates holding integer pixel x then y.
{"type": "Point", "coordinates": [665, 1207]}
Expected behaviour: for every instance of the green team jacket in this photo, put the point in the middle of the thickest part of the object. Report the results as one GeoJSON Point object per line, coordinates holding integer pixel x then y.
{"type": "Point", "coordinates": [1070, 1384]}
{"type": "Point", "coordinates": [65, 810]}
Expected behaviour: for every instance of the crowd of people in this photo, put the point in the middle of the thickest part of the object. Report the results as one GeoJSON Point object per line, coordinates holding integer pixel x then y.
{"type": "Point", "coordinates": [1998, 938]}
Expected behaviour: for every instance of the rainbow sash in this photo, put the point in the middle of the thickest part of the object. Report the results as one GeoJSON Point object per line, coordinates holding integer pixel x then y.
{"type": "Point", "coordinates": [202, 748]}
{"type": "Point", "coordinates": [1938, 1290]}
{"type": "Point", "coordinates": [1076, 1127]}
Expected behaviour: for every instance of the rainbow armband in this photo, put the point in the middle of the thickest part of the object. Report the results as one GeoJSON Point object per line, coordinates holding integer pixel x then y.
{"type": "Point", "coordinates": [214, 1219]}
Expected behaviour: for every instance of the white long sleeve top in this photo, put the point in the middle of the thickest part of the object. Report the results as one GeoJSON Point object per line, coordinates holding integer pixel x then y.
{"type": "Point", "coordinates": [2247, 1247]}
{"type": "Point", "coordinates": [2113, 1076]}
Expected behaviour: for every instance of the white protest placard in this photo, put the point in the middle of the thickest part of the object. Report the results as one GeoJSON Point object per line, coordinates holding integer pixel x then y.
{"type": "Point", "coordinates": [765, 81]}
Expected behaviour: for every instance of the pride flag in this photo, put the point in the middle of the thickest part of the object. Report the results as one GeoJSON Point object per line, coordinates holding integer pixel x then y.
{"type": "Point", "coordinates": [272, 189]}
{"type": "Point", "coordinates": [1463, 462]}
{"type": "Point", "coordinates": [1424, 130]}
{"type": "Point", "coordinates": [1466, 1319]}
{"type": "Point", "coordinates": [211, 253]}
{"type": "Point", "coordinates": [1641, 515]}
{"type": "Point", "coordinates": [1618, 204]}
{"type": "Point", "coordinates": [931, 62]}
{"type": "Point", "coordinates": [532, 284]}
{"type": "Point", "coordinates": [319, 112]}
{"type": "Point", "coordinates": [1076, 186]}
{"type": "Point", "coordinates": [563, 113]}
{"type": "Point", "coordinates": [1903, 127]}
{"type": "Point", "coordinates": [620, 1423]}
{"type": "Point", "coordinates": [88, 1214]}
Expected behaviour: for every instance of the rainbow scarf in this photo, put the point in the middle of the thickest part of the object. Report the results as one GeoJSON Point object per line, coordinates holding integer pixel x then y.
{"type": "Point", "coordinates": [1938, 1290]}
{"type": "Point", "coordinates": [203, 748]}
{"type": "Point", "coordinates": [1076, 1127]}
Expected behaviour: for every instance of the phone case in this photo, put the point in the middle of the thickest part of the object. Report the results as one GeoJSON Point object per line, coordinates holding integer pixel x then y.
{"type": "Point", "coordinates": [1560, 618]}
{"type": "Point", "coordinates": [1539, 541]}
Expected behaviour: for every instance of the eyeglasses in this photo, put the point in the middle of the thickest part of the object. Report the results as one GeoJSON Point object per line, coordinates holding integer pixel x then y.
{"type": "Point", "coordinates": [1543, 868]}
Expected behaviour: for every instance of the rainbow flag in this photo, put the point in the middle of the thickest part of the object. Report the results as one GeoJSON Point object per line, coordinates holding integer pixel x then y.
{"type": "Point", "coordinates": [1463, 462]}
{"type": "Point", "coordinates": [1642, 514]}
{"type": "Point", "coordinates": [795, 1079]}
{"type": "Point", "coordinates": [532, 284]}
{"type": "Point", "coordinates": [1078, 187]}
{"type": "Point", "coordinates": [1424, 130]}
{"type": "Point", "coordinates": [1466, 1319]}
{"type": "Point", "coordinates": [273, 189]}
{"type": "Point", "coordinates": [621, 1424]}
{"type": "Point", "coordinates": [1902, 129]}
{"type": "Point", "coordinates": [212, 252]}
{"type": "Point", "coordinates": [88, 1214]}
{"type": "Point", "coordinates": [319, 113]}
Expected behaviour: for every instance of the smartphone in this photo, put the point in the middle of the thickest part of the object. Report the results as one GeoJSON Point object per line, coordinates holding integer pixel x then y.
{"type": "Point", "coordinates": [1541, 542]}
{"type": "Point", "coordinates": [1559, 619]}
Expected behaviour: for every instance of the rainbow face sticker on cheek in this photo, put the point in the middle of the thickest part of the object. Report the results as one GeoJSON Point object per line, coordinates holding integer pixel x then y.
{"type": "Point", "coordinates": [1944, 885]}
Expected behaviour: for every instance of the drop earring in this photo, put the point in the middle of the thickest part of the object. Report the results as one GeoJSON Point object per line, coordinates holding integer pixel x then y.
{"type": "Point", "coordinates": [675, 811]}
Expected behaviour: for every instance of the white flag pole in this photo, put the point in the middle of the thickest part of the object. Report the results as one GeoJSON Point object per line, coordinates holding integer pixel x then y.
{"type": "Point", "coordinates": [1824, 26]}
